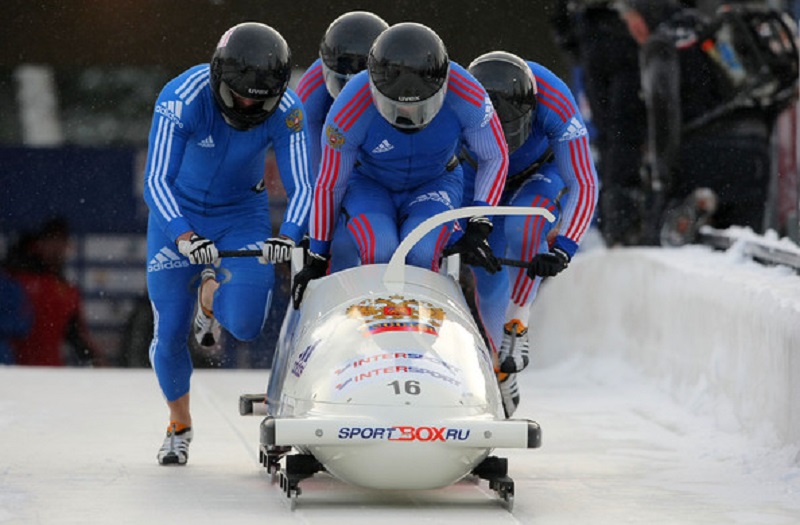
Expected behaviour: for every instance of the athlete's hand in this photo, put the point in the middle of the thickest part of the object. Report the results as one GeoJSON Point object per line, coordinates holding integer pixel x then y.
{"type": "Point", "coordinates": [316, 266]}
{"type": "Point", "coordinates": [199, 250]}
{"type": "Point", "coordinates": [276, 250]}
{"type": "Point", "coordinates": [474, 245]}
{"type": "Point", "coordinates": [548, 264]}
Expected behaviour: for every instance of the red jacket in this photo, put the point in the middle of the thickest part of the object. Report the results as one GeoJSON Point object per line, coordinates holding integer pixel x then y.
{"type": "Point", "coordinates": [55, 304]}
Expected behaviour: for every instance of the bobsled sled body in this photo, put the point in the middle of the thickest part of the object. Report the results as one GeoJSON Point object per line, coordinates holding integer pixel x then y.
{"type": "Point", "coordinates": [394, 380]}
{"type": "Point", "coordinates": [383, 379]}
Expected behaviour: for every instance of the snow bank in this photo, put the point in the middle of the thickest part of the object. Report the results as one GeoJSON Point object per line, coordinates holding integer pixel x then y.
{"type": "Point", "coordinates": [721, 334]}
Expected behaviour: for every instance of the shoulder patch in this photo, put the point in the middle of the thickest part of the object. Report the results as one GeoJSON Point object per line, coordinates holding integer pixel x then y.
{"type": "Point", "coordinates": [334, 137]}
{"type": "Point", "coordinates": [294, 120]}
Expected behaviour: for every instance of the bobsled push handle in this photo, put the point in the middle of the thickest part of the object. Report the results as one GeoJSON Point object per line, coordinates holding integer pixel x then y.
{"type": "Point", "coordinates": [396, 269]}
{"type": "Point", "coordinates": [257, 253]}
{"type": "Point", "coordinates": [240, 253]}
{"type": "Point", "coordinates": [296, 260]}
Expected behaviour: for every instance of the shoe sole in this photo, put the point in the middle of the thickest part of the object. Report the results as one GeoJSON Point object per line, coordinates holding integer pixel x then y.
{"type": "Point", "coordinates": [208, 340]}
{"type": "Point", "coordinates": [171, 459]}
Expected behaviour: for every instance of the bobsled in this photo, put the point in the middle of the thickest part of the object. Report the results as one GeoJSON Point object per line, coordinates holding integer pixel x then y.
{"type": "Point", "coordinates": [383, 380]}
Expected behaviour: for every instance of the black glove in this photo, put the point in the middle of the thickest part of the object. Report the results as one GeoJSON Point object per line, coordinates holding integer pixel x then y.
{"type": "Point", "coordinates": [474, 245]}
{"type": "Point", "coordinates": [276, 250]}
{"type": "Point", "coordinates": [199, 250]}
{"type": "Point", "coordinates": [316, 266]}
{"type": "Point", "coordinates": [548, 264]}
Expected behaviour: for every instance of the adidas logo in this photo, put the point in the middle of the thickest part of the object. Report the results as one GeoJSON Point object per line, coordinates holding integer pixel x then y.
{"type": "Point", "coordinates": [576, 129]}
{"type": "Point", "coordinates": [435, 196]}
{"type": "Point", "coordinates": [383, 147]}
{"type": "Point", "coordinates": [207, 142]}
{"type": "Point", "coordinates": [166, 259]}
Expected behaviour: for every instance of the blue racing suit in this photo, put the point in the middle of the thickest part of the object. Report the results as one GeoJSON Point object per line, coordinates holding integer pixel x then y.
{"type": "Point", "coordinates": [553, 169]}
{"type": "Point", "coordinates": [394, 180]}
{"type": "Point", "coordinates": [203, 175]}
{"type": "Point", "coordinates": [317, 101]}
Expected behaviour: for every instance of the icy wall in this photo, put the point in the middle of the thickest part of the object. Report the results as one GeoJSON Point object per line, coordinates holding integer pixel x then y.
{"type": "Point", "coordinates": [720, 333]}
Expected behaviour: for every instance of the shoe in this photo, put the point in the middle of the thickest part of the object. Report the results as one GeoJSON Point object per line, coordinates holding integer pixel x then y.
{"type": "Point", "coordinates": [683, 223]}
{"type": "Point", "coordinates": [509, 392]}
{"type": "Point", "coordinates": [175, 450]}
{"type": "Point", "coordinates": [513, 355]}
{"type": "Point", "coordinates": [206, 327]}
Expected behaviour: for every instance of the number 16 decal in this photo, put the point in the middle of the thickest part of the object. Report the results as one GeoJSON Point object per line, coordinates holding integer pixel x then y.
{"type": "Point", "coordinates": [409, 387]}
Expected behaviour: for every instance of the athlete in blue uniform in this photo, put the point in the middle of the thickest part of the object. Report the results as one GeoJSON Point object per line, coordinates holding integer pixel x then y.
{"type": "Point", "coordinates": [550, 166]}
{"type": "Point", "coordinates": [343, 53]}
{"type": "Point", "coordinates": [204, 187]}
{"type": "Point", "coordinates": [390, 141]}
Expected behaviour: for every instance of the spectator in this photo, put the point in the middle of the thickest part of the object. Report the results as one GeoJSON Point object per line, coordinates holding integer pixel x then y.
{"type": "Point", "coordinates": [592, 32]}
{"type": "Point", "coordinates": [37, 262]}
{"type": "Point", "coordinates": [16, 316]}
{"type": "Point", "coordinates": [713, 88]}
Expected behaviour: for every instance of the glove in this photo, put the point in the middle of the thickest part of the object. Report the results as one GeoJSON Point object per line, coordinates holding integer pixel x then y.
{"type": "Point", "coordinates": [276, 250]}
{"type": "Point", "coordinates": [316, 266]}
{"type": "Point", "coordinates": [199, 250]}
{"type": "Point", "coordinates": [548, 264]}
{"type": "Point", "coordinates": [474, 246]}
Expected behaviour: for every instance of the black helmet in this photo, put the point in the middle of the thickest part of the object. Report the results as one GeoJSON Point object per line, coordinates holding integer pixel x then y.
{"type": "Point", "coordinates": [252, 61]}
{"type": "Point", "coordinates": [345, 46]}
{"type": "Point", "coordinates": [512, 89]}
{"type": "Point", "coordinates": [408, 68]}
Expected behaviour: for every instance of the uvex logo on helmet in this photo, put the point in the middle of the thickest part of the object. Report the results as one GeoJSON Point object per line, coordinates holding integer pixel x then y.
{"type": "Point", "coordinates": [252, 61]}
{"type": "Point", "coordinates": [408, 71]}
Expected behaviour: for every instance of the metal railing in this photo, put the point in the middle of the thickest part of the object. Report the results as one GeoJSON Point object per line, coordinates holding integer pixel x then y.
{"type": "Point", "coordinates": [759, 248]}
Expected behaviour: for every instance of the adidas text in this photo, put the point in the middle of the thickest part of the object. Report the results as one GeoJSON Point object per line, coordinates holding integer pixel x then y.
{"type": "Point", "coordinates": [169, 265]}
{"type": "Point", "coordinates": [169, 113]}
{"type": "Point", "coordinates": [166, 259]}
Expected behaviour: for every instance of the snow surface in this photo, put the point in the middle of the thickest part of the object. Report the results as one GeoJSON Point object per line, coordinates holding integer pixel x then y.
{"type": "Point", "coordinates": [656, 405]}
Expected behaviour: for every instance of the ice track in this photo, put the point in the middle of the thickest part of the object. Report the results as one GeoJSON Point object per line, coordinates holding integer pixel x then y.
{"type": "Point", "coordinates": [639, 425]}
{"type": "Point", "coordinates": [79, 447]}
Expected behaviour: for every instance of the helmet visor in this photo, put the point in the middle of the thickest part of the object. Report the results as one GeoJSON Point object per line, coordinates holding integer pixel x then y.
{"type": "Point", "coordinates": [408, 115]}
{"type": "Point", "coordinates": [334, 81]}
{"type": "Point", "coordinates": [517, 131]}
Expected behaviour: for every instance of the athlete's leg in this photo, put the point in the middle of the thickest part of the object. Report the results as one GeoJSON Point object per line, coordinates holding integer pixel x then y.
{"type": "Point", "coordinates": [171, 286]}
{"type": "Point", "coordinates": [527, 236]}
{"type": "Point", "coordinates": [373, 219]}
{"type": "Point", "coordinates": [242, 299]}
{"type": "Point", "coordinates": [172, 295]}
{"type": "Point", "coordinates": [344, 251]}
{"type": "Point", "coordinates": [492, 290]}
{"type": "Point", "coordinates": [424, 202]}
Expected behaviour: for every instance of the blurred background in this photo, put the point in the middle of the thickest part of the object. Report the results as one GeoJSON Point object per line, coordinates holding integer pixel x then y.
{"type": "Point", "coordinates": [78, 80]}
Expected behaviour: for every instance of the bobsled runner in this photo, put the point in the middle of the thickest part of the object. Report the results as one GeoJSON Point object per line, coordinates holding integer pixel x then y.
{"type": "Point", "coordinates": [382, 379]}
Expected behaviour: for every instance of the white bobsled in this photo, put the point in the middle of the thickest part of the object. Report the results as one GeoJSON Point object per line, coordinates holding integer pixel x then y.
{"type": "Point", "coordinates": [383, 379]}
